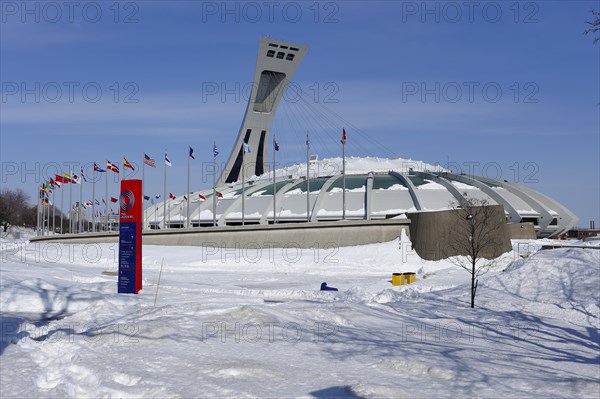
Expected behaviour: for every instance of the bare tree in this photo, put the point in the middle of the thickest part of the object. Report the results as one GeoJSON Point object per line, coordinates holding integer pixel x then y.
{"type": "Point", "coordinates": [14, 209]}
{"type": "Point", "coordinates": [476, 238]}
{"type": "Point", "coordinates": [594, 25]}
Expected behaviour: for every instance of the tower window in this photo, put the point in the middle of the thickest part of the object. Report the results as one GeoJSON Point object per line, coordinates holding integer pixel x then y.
{"type": "Point", "coordinates": [270, 53]}
{"type": "Point", "coordinates": [280, 55]}
{"type": "Point", "coordinates": [290, 57]}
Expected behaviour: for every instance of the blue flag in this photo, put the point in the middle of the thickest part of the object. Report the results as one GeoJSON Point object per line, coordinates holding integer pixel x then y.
{"type": "Point", "coordinates": [192, 153]}
{"type": "Point", "coordinates": [275, 145]}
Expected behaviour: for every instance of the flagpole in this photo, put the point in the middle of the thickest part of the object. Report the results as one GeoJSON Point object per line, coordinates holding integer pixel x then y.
{"type": "Point", "coordinates": [94, 201]}
{"type": "Point", "coordinates": [37, 213]}
{"type": "Point", "coordinates": [71, 203]}
{"type": "Point", "coordinates": [344, 178]}
{"type": "Point", "coordinates": [214, 198]}
{"type": "Point", "coordinates": [62, 215]}
{"type": "Point", "coordinates": [40, 231]}
{"type": "Point", "coordinates": [106, 203]}
{"type": "Point", "coordinates": [79, 221]}
{"type": "Point", "coordinates": [187, 220]}
{"type": "Point", "coordinates": [165, 194]}
{"type": "Point", "coordinates": [243, 186]}
{"type": "Point", "coordinates": [307, 179]}
{"type": "Point", "coordinates": [274, 201]}
{"type": "Point", "coordinates": [145, 215]}
{"type": "Point", "coordinates": [43, 218]}
{"type": "Point", "coordinates": [53, 213]}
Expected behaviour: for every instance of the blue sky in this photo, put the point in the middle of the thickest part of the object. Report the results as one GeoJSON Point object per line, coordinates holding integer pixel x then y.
{"type": "Point", "coordinates": [510, 88]}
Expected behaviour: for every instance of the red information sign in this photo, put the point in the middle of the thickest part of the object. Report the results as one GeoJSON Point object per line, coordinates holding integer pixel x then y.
{"type": "Point", "coordinates": [130, 237]}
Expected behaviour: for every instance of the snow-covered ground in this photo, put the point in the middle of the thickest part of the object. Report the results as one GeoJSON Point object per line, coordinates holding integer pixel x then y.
{"type": "Point", "coordinates": [249, 323]}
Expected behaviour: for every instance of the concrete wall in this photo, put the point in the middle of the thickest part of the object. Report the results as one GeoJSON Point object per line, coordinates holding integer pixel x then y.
{"type": "Point", "coordinates": [430, 232]}
{"type": "Point", "coordinates": [296, 235]}
{"type": "Point", "coordinates": [521, 231]}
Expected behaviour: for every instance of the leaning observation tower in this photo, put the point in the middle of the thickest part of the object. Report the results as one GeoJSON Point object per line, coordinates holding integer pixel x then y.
{"type": "Point", "coordinates": [276, 63]}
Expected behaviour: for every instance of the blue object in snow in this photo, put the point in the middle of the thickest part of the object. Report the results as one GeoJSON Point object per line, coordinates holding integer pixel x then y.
{"type": "Point", "coordinates": [324, 287]}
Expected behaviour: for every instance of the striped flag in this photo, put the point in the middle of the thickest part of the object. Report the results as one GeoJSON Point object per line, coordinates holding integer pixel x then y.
{"type": "Point", "coordinates": [97, 169]}
{"type": "Point", "coordinates": [82, 175]}
{"type": "Point", "coordinates": [167, 162]}
{"type": "Point", "coordinates": [149, 161]}
{"type": "Point", "coordinates": [215, 150]}
{"type": "Point", "coordinates": [126, 164]}
{"type": "Point", "coordinates": [343, 141]}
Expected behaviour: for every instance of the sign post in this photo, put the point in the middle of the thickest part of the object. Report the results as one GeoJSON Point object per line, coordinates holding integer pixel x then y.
{"type": "Point", "coordinates": [130, 237]}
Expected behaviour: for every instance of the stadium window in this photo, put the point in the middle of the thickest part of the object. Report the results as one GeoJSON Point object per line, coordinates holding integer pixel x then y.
{"type": "Point", "coordinates": [280, 55]}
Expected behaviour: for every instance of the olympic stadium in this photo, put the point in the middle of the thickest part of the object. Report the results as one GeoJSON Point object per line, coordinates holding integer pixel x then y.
{"type": "Point", "coordinates": [374, 189]}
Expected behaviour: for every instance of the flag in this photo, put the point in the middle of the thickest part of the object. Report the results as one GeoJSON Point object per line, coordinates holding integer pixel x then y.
{"type": "Point", "coordinates": [88, 203]}
{"type": "Point", "coordinates": [171, 196]}
{"type": "Point", "coordinates": [146, 197]}
{"type": "Point", "coordinates": [219, 195]}
{"type": "Point", "coordinates": [126, 164]}
{"type": "Point", "coordinates": [75, 179]}
{"type": "Point", "coordinates": [307, 141]}
{"type": "Point", "coordinates": [202, 197]}
{"type": "Point", "coordinates": [167, 162]}
{"type": "Point", "coordinates": [111, 166]}
{"type": "Point", "coordinates": [66, 178]}
{"type": "Point", "coordinates": [192, 153]}
{"type": "Point", "coordinates": [246, 148]}
{"type": "Point", "coordinates": [343, 136]}
{"type": "Point", "coordinates": [184, 198]}
{"type": "Point", "coordinates": [97, 169]}
{"type": "Point", "coordinates": [149, 161]}
{"type": "Point", "coordinates": [215, 150]}
{"type": "Point", "coordinates": [157, 196]}
{"type": "Point", "coordinates": [54, 183]}
{"type": "Point", "coordinates": [113, 199]}
{"type": "Point", "coordinates": [104, 202]}
{"type": "Point", "coordinates": [82, 175]}
{"type": "Point", "coordinates": [97, 202]}
{"type": "Point", "coordinates": [275, 145]}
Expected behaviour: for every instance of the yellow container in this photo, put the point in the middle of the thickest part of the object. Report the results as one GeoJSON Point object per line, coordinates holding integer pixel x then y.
{"type": "Point", "coordinates": [403, 278]}
{"type": "Point", "coordinates": [397, 278]}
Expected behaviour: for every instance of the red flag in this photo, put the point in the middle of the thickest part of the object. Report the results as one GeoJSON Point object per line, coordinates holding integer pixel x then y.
{"type": "Point", "coordinates": [171, 196]}
{"type": "Point", "coordinates": [343, 136]}
{"type": "Point", "coordinates": [113, 199]}
{"type": "Point", "coordinates": [219, 195]}
{"type": "Point", "coordinates": [202, 197]}
{"type": "Point", "coordinates": [111, 166]}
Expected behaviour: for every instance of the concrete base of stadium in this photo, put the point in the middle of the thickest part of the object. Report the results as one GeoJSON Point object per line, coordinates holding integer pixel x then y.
{"type": "Point", "coordinates": [292, 235]}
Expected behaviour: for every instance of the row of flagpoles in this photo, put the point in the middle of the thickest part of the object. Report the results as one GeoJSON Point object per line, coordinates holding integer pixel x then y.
{"type": "Point", "coordinates": [52, 184]}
